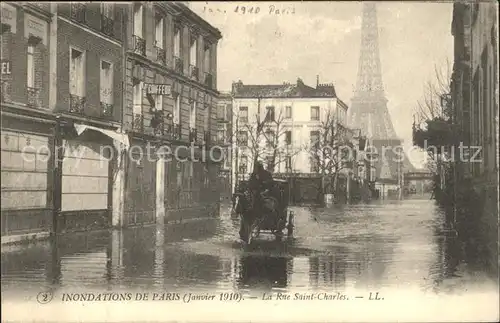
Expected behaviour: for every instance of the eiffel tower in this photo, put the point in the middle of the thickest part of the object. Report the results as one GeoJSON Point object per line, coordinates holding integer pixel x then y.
{"type": "Point", "coordinates": [368, 110]}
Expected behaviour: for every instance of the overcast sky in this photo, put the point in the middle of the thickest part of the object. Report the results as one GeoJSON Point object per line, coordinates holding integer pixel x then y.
{"type": "Point", "coordinates": [324, 38]}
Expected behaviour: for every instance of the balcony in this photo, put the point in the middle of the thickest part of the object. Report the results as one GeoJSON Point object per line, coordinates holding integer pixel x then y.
{"type": "Point", "coordinates": [138, 123]}
{"type": "Point", "coordinates": [176, 131]}
{"type": "Point", "coordinates": [193, 135]}
{"type": "Point", "coordinates": [208, 80]}
{"type": "Point", "coordinates": [178, 65]}
{"type": "Point", "coordinates": [6, 90]}
{"type": "Point", "coordinates": [76, 104]}
{"type": "Point", "coordinates": [106, 109]}
{"type": "Point", "coordinates": [34, 99]}
{"type": "Point", "coordinates": [139, 45]}
{"type": "Point", "coordinates": [78, 12]}
{"type": "Point", "coordinates": [107, 25]}
{"type": "Point", "coordinates": [194, 72]}
{"type": "Point", "coordinates": [161, 55]}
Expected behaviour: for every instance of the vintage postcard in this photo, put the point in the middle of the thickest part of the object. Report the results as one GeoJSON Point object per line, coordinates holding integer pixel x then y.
{"type": "Point", "coordinates": [301, 161]}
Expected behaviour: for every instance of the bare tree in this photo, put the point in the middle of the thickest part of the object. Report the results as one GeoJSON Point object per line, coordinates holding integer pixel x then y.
{"type": "Point", "coordinates": [266, 139]}
{"type": "Point", "coordinates": [331, 151]}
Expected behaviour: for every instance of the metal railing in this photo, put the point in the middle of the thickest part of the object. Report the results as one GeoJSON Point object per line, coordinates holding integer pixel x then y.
{"type": "Point", "coordinates": [139, 45]}
{"type": "Point", "coordinates": [161, 55]}
{"type": "Point", "coordinates": [106, 109]}
{"type": "Point", "coordinates": [78, 12]}
{"type": "Point", "coordinates": [76, 104]}
{"type": "Point", "coordinates": [34, 99]}
{"type": "Point", "coordinates": [193, 135]}
{"type": "Point", "coordinates": [194, 72]}
{"type": "Point", "coordinates": [176, 131]}
{"type": "Point", "coordinates": [107, 25]}
{"type": "Point", "coordinates": [178, 65]}
{"type": "Point", "coordinates": [138, 123]}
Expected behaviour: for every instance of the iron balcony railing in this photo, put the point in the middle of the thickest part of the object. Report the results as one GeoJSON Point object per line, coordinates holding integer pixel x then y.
{"type": "Point", "coordinates": [176, 131]}
{"type": "Point", "coordinates": [139, 45]}
{"type": "Point", "coordinates": [138, 123]}
{"type": "Point", "coordinates": [76, 104]}
{"type": "Point", "coordinates": [178, 65]}
{"type": "Point", "coordinates": [78, 12]}
{"type": "Point", "coordinates": [34, 99]}
{"type": "Point", "coordinates": [6, 87]}
{"type": "Point", "coordinates": [161, 55]}
{"type": "Point", "coordinates": [194, 72]}
{"type": "Point", "coordinates": [193, 134]}
{"type": "Point", "coordinates": [208, 80]}
{"type": "Point", "coordinates": [107, 25]}
{"type": "Point", "coordinates": [106, 109]}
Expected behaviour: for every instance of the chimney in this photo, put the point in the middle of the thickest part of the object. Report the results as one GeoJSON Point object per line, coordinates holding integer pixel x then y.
{"type": "Point", "coordinates": [236, 86]}
{"type": "Point", "coordinates": [317, 81]}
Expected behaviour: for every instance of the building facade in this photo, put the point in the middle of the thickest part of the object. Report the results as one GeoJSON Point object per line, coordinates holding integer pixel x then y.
{"type": "Point", "coordinates": [88, 90]}
{"type": "Point", "coordinates": [224, 139]}
{"type": "Point", "coordinates": [279, 124]}
{"type": "Point", "coordinates": [474, 101]}
{"type": "Point", "coordinates": [169, 101]}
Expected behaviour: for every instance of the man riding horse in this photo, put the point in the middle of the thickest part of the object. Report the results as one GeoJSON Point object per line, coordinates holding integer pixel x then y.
{"type": "Point", "coordinates": [261, 183]}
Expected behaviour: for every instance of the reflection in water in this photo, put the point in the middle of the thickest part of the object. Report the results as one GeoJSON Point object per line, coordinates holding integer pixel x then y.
{"type": "Point", "coordinates": [361, 246]}
{"type": "Point", "coordinates": [263, 272]}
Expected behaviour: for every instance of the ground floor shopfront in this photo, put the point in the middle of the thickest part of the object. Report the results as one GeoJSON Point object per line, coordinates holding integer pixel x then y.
{"type": "Point", "coordinates": [80, 177]}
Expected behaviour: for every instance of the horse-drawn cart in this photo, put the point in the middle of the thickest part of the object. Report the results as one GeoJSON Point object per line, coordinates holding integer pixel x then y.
{"type": "Point", "coordinates": [269, 214]}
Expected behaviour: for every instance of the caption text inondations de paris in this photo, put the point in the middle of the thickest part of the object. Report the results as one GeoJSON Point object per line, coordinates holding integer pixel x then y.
{"type": "Point", "coordinates": [218, 296]}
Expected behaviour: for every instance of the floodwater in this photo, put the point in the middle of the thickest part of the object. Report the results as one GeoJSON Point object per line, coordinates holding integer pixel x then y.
{"type": "Point", "coordinates": [400, 245]}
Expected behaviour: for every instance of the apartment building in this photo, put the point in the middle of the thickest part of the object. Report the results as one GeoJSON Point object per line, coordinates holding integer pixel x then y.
{"type": "Point", "coordinates": [224, 136]}
{"type": "Point", "coordinates": [28, 121]}
{"type": "Point", "coordinates": [474, 97]}
{"type": "Point", "coordinates": [170, 97]}
{"type": "Point", "coordinates": [293, 117]}
{"type": "Point", "coordinates": [82, 83]}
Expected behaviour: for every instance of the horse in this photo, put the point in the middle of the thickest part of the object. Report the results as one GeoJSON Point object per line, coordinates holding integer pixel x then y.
{"type": "Point", "coordinates": [244, 204]}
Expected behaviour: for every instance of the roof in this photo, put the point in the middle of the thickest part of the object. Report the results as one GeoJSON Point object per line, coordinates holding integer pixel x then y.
{"type": "Point", "coordinates": [285, 90]}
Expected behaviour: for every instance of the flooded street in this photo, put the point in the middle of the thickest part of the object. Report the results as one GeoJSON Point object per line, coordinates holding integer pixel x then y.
{"type": "Point", "coordinates": [399, 245]}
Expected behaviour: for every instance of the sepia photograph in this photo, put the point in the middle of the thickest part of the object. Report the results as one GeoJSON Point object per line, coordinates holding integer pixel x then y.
{"type": "Point", "coordinates": [233, 161]}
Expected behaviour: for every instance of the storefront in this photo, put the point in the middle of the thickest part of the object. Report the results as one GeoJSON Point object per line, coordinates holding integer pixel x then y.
{"type": "Point", "coordinates": [26, 177]}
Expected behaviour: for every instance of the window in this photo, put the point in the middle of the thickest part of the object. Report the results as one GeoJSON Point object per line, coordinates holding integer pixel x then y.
{"type": "Point", "coordinates": [270, 114]}
{"type": "Point", "coordinates": [288, 112]}
{"type": "Point", "coordinates": [177, 41]}
{"type": "Point", "coordinates": [244, 161]}
{"type": "Point", "coordinates": [177, 109]}
{"type": "Point", "coordinates": [159, 102]}
{"type": "Point", "coordinates": [288, 137]}
{"type": "Point", "coordinates": [270, 163]}
{"type": "Point", "coordinates": [243, 138]}
{"type": "Point", "coordinates": [138, 14]}
{"type": "Point", "coordinates": [206, 57]}
{"type": "Point", "coordinates": [288, 163]}
{"type": "Point", "coordinates": [137, 97]}
{"type": "Point", "coordinates": [270, 138]}
{"type": "Point", "coordinates": [77, 73]}
{"type": "Point", "coordinates": [221, 135]}
{"type": "Point", "coordinates": [192, 115]}
{"type": "Point", "coordinates": [314, 113]}
{"type": "Point", "coordinates": [31, 66]}
{"type": "Point", "coordinates": [106, 82]}
{"type": "Point", "coordinates": [243, 115]}
{"type": "Point", "coordinates": [314, 138]}
{"type": "Point", "coordinates": [221, 112]}
{"type": "Point", "coordinates": [193, 51]}
{"type": "Point", "coordinates": [107, 10]}
{"type": "Point", "coordinates": [159, 27]}
{"type": "Point", "coordinates": [206, 117]}
{"type": "Point", "coordinates": [314, 165]}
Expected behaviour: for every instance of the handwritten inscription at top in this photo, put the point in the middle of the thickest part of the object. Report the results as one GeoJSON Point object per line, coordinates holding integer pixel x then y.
{"type": "Point", "coordinates": [249, 10]}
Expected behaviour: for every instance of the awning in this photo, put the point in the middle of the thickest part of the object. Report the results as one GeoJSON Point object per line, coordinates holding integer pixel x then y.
{"type": "Point", "coordinates": [120, 140]}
